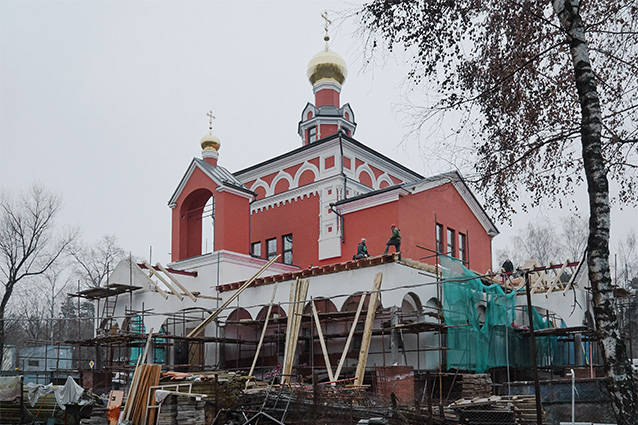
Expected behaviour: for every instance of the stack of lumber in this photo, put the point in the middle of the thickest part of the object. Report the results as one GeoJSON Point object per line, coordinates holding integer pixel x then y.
{"type": "Point", "coordinates": [519, 410]}
{"type": "Point", "coordinates": [525, 408]}
{"type": "Point", "coordinates": [190, 411]}
{"type": "Point", "coordinates": [476, 385]}
{"type": "Point", "coordinates": [182, 409]}
{"type": "Point", "coordinates": [145, 377]}
{"type": "Point", "coordinates": [168, 412]}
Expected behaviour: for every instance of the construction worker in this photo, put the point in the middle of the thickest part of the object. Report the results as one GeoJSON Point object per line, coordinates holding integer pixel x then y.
{"type": "Point", "coordinates": [395, 239]}
{"type": "Point", "coordinates": [362, 250]}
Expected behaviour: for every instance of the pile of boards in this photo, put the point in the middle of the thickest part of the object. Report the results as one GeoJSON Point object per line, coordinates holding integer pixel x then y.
{"type": "Point", "coordinates": [518, 409]}
{"type": "Point", "coordinates": [146, 376]}
{"type": "Point", "coordinates": [476, 385]}
{"type": "Point", "coordinates": [183, 409]}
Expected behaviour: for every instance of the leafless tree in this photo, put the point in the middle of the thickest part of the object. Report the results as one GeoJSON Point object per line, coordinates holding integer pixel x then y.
{"type": "Point", "coordinates": [546, 90]}
{"type": "Point", "coordinates": [538, 241]}
{"type": "Point", "coordinates": [573, 237]}
{"type": "Point", "coordinates": [29, 245]}
{"type": "Point", "coordinates": [96, 262]}
{"type": "Point", "coordinates": [628, 261]}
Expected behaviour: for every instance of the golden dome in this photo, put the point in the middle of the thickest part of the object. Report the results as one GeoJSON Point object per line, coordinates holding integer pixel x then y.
{"type": "Point", "coordinates": [210, 143]}
{"type": "Point", "coordinates": [327, 65]}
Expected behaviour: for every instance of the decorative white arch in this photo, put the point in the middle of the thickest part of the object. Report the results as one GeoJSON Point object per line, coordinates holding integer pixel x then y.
{"type": "Point", "coordinates": [305, 167]}
{"type": "Point", "coordinates": [282, 175]}
{"type": "Point", "coordinates": [366, 168]}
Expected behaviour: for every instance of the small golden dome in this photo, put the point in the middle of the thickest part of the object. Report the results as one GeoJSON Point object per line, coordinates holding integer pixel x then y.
{"type": "Point", "coordinates": [327, 65]}
{"type": "Point", "coordinates": [210, 143]}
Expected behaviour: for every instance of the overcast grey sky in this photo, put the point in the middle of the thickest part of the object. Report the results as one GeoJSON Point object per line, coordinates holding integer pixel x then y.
{"type": "Point", "coordinates": [105, 102]}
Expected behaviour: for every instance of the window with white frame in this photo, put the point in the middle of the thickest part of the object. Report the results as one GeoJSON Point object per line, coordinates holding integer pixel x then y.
{"type": "Point", "coordinates": [271, 247]}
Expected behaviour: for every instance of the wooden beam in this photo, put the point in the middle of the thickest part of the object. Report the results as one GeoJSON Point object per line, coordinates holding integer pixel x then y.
{"type": "Point", "coordinates": [301, 291]}
{"type": "Point", "coordinates": [155, 285]}
{"type": "Point", "coordinates": [136, 376]}
{"type": "Point", "coordinates": [556, 279]}
{"type": "Point", "coordinates": [352, 329]}
{"type": "Point", "coordinates": [326, 357]}
{"type": "Point", "coordinates": [168, 285]}
{"type": "Point", "coordinates": [199, 328]}
{"type": "Point", "coordinates": [291, 314]}
{"type": "Point", "coordinates": [176, 282]}
{"type": "Point", "coordinates": [367, 331]}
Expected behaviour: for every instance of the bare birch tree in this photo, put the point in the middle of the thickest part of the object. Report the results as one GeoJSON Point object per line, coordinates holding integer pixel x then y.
{"type": "Point", "coordinates": [546, 90]}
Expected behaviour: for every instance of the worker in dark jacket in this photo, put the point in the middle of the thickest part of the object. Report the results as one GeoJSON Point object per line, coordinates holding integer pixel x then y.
{"type": "Point", "coordinates": [362, 250]}
{"type": "Point", "coordinates": [395, 239]}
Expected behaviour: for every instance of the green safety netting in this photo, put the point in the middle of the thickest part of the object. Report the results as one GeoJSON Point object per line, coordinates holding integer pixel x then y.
{"type": "Point", "coordinates": [480, 339]}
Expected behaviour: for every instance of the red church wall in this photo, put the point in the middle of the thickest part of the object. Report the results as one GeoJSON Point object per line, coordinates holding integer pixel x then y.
{"type": "Point", "coordinates": [364, 178]}
{"type": "Point", "coordinates": [417, 223]}
{"type": "Point", "coordinates": [231, 219]}
{"type": "Point", "coordinates": [282, 186]}
{"type": "Point", "coordinates": [415, 217]}
{"type": "Point", "coordinates": [328, 130]}
{"type": "Point", "coordinates": [299, 218]}
{"type": "Point", "coordinates": [306, 177]}
{"type": "Point", "coordinates": [230, 209]}
{"type": "Point", "coordinates": [184, 216]}
{"type": "Point", "coordinates": [327, 97]}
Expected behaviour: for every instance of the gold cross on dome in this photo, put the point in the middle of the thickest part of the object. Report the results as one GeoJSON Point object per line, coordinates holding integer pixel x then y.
{"type": "Point", "coordinates": [211, 117]}
{"type": "Point", "coordinates": [324, 15]}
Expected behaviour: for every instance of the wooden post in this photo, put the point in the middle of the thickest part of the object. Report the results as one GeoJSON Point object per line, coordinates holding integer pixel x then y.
{"type": "Point", "coordinates": [367, 331]}
{"type": "Point", "coordinates": [532, 342]}
{"type": "Point", "coordinates": [326, 357]}
{"type": "Point", "coordinates": [291, 343]}
{"type": "Point", "coordinates": [352, 329]}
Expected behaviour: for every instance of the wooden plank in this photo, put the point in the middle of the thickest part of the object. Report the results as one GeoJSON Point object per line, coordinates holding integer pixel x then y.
{"type": "Point", "coordinates": [293, 337]}
{"type": "Point", "coordinates": [291, 314]}
{"type": "Point", "coordinates": [155, 285]}
{"type": "Point", "coordinates": [300, 300]}
{"type": "Point", "coordinates": [188, 293]}
{"type": "Point", "coordinates": [199, 328]}
{"type": "Point", "coordinates": [168, 285]}
{"type": "Point", "coordinates": [263, 334]}
{"type": "Point", "coordinates": [136, 377]}
{"type": "Point", "coordinates": [326, 357]}
{"type": "Point", "coordinates": [367, 331]}
{"type": "Point", "coordinates": [349, 340]}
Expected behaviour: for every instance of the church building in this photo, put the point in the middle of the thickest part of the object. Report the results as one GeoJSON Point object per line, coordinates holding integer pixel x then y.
{"type": "Point", "coordinates": [294, 222]}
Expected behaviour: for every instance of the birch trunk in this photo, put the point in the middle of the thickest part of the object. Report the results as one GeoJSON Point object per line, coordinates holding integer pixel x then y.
{"type": "Point", "coordinates": [618, 369]}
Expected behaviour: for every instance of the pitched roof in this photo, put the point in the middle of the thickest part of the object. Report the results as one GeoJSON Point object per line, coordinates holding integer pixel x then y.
{"type": "Point", "coordinates": [218, 174]}
{"type": "Point", "coordinates": [427, 183]}
{"type": "Point", "coordinates": [320, 142]}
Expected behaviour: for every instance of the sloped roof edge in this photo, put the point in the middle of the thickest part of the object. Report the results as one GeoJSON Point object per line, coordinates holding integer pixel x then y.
{"type": "Point", "coordinates": [218, 174]}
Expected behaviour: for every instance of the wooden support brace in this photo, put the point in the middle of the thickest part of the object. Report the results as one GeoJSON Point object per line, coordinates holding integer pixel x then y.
{"type": "Point", "coordinates": [556, 279]}
{"type": "Point", "coordinates": [155, 285]}
{"type": "Point", "coordinates": [367, 331]}
{"type": "Point", "coordinates": [168, 285]}
{"type": "Point", "coordinates": [176, 282]}
{"type": "Point", "coordinates": [352, 329]}
{"type": "Point", "coordinates": [324, 349]}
